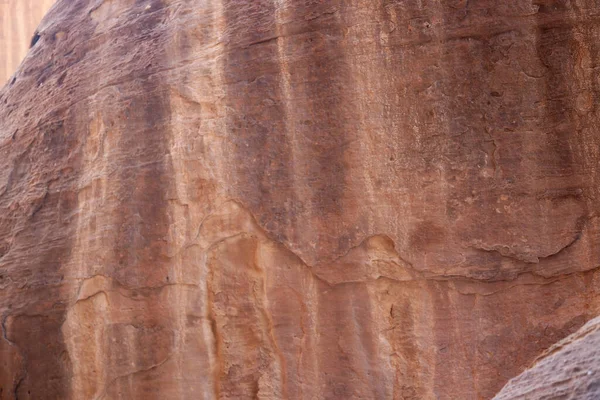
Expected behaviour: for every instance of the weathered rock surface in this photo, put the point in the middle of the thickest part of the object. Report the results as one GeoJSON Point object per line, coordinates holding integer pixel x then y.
{"type": "Point", "coordinates": [297, 199]}
{"type": "Point", "coordinates": [568, 370]}
{"type": "Point", "coordinates": [18, 21]}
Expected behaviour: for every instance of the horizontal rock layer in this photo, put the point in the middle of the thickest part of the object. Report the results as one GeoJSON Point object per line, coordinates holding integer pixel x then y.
{"type": "Point", "coordinates": [297, 199]}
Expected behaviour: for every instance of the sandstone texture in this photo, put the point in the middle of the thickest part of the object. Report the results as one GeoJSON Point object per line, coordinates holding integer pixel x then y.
{"type": "Point", "coordinates": [18, 21]}
{"type": "Point", "coordinates": [568, 370]}
{"type": "Point", "coordinates": [297, 199]}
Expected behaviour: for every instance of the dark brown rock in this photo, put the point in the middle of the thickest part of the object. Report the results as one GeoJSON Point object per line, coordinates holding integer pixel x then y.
{"type": "Point", "coordinates": [297, 199]}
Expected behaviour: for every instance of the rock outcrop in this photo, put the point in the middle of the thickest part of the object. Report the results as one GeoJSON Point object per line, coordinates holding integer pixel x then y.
{"type": "Point", "coordinates": [18, 21]}
{"type": "Point", "coordinates": [568, 370]}
{"type": "Point", "coordinates": [297, 199]}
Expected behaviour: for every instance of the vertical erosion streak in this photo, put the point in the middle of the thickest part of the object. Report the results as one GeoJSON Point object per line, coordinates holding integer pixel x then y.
{"type": "Point", "coordinates": [289, 125]}
{"type": "Point", "coordinates": [145, 183]}
{"type": "Point", "coordinates": [143, 187]}
{"type": "Point", "coordinates": [557, 49]}
{"type": "Point", "coordinates": [323, 115]}
{"type": "Point", "coordinates": [562, 159]}
{"type": "Point", "coordinates": [259, 152]}
{"type": "Point", "coordinates": [43, 230]}
{"type": "Point", "coordinates": [141, 236]}
{"type": "Point", "coordinates": [44, 246]}
{"type": "Point", "coordinates": [586, 104]}
{"type": "Point", "coordinates": [285, 73]}
{"type": "Point", "coordinates": [210, 329]}
{"type": "Point", "coordinates": [247, 363]}
{"type": "Point", "coordinates": [262, 300]}
{"type": "Point", "coordinates": [216, 357]}
{"type": "Point", "coordinates": [259, 149]}
{"type": "Point", "coordinates": [132, 179]}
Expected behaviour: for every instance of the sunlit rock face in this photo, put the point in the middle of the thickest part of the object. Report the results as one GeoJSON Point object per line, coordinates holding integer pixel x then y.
{"type": "Point", "coordinates": [297, 199]}
{"type": "Point", "coordinates": [18, 21]}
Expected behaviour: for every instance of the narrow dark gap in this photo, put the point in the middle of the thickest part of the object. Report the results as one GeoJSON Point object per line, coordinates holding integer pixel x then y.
{"type": "Point", "coordinates": [34, 39]}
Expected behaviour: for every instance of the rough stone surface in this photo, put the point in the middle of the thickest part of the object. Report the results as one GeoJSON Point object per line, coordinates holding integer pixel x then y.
{"type": "Point", "coordinates": [305, 199]}
{"type": "Point", "coordinates": [18, 21]}
{"type": "Point", "coordinates": [568, 370]}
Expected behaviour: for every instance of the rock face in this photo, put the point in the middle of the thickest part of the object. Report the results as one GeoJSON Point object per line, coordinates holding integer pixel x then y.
{"type": "Point", "coordinates": [18, 21]}
{"type": "Point", "coordinates": [302, 199]}
{"type": "Point", "coordinates": [568, 370]}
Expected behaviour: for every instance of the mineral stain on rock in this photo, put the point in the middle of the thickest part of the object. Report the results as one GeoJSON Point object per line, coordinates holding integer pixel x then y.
{"type": "Point", "coordinates": [297, 199]}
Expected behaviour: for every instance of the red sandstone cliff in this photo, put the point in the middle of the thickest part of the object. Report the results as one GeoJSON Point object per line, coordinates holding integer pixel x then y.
{"type": "Point", "coordinates": [297, 199]}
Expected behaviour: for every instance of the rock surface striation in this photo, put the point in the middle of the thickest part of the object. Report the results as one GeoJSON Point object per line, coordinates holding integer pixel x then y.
{"type": "Point", "coordinates": [297, 199]}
